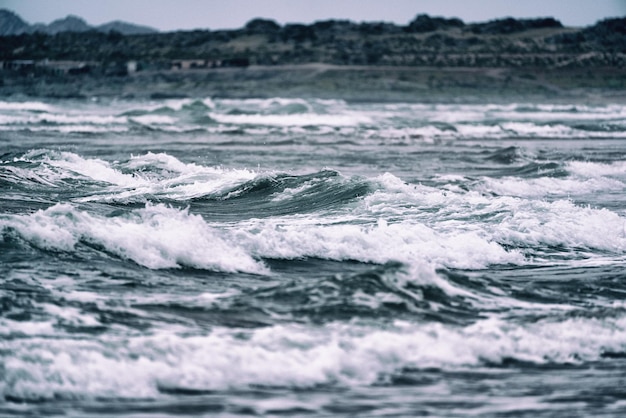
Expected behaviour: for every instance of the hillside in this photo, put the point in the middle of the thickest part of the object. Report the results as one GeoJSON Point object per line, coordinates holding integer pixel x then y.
{"type": "Point", "coordinates": [424, 41]}
{"type": "Point", "coordinates": [12, 24]}
{"type": "Point", "coordinates": [528, 56]}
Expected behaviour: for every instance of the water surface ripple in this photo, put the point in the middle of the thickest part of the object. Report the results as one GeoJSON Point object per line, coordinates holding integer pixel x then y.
{"type": "Point", "coordinates": [218, 257]}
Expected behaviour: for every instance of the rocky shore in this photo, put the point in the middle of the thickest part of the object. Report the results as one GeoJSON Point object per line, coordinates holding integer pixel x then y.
{"type": "Point", "coordinates": [430, 59]}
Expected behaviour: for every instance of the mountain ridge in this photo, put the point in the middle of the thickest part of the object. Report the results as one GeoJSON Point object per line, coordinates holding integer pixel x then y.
{"type": "Point", "coordinates": [12, 24]}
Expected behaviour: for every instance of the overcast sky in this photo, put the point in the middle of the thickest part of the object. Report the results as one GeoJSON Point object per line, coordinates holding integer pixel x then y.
{"type": "Point", "coordinates": [169, 15]}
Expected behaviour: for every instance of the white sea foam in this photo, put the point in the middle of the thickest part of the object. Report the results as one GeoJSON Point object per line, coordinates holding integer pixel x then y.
{"type": "Point", "coordinates": [479, 131]}
{"type": "Point", "coordinates": [390, 121]}
{"type": "Point", "coordinates": [290, 193]}
{"type": "Point", "coordinates": [87, 129]}
{"type": "Point", "coordinates": [562, 223]}
{"type": "Point", "coordinates": [13, 120]}
{"type": "Point", "coordinates": [533, 129]}
{"type": "Point", "coordinates": [64, 122]}
{"type": "Point", "coordinates": [36, 106]}
{"type": "Point", "coordinates": [267, 104]}
{"type": "Point", "coordinates": [177, 104]}
{"type": "Point", "coordinates": [409, 242]}
{"type": "Point", "coordinates": [178, 180]}
{"type": "Point", "coordinates": [422, 133]}
{"type": "Point", "coordinates": [67, 119]}
{"type": "Point", "coordinates": [495, 131]}
{"type": "Point", "coordinates": [70, 315]}
{"type": "Point", "coordinates": [10, 327]}
{"type": "Point", "coordinates": [165, 162]}
{"type": "Point", "coordinates": [585, 178]}
{"type": "Point", "coordinates": [57, 166]}
{"type": "Point", "coordinates": [155, 237]}
{"type": "Point", "coordinates": [290, 355]}
{"type": "Point", "coordinates": [516, 218]}
{"type": "Point", "coordinates": [293, 120]}
{"type": "Point", "coordinates": [154, 120]}
{"type": "Point", "coordinates": [591, 169]}
{"type": "Point", "coordinates": [42, 176]}
{"type": "Point", "coordinates": [561, 112]}
{"type": "Point", "coordinates": [422, 241]}
{"type": "Point", "coordinates": [147, 174]}
{"type": "Point", "coordinates": [93, 168]}
{"type": "Point", "coordinates": [548, 186]}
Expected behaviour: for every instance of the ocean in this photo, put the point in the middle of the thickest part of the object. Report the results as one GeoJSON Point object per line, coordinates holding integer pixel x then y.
{"type": "Point", "coordinates": [303, 257]}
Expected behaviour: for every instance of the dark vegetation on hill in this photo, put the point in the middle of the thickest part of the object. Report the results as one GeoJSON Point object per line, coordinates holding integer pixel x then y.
{"type": "Point", "coordinates": [424, 41]}
{"type": "Point", "coordinates": [325, 58]}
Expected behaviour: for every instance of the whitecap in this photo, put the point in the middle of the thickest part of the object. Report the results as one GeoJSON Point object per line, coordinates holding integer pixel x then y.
{"type": "Point", "coordinates": [93, 168]}
{"type": "Point", "coordinates": [36, 106]}
{"type": "Point", "coordinates": [154, 120]}
{"type": "Point", "coordinates": [412, 243]}
{"type": "Point", "coordinates": [155, 237]}
{"type": "Point", "coordinates": [595, 169]}
{"type": "Point", "coordinates": [292, 120]}
{"type": "Point", "coordinates": [562, 223]}
{"type": "Point", "coordinates": [291, 356]}
{"type": "Point", "coordinates": [548, 186]}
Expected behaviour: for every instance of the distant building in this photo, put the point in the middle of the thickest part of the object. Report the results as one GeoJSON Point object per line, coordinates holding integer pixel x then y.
{"type": "Point", "coordinates": [189, 64]}
{"type": "Point", "coordinates": [66, 67]}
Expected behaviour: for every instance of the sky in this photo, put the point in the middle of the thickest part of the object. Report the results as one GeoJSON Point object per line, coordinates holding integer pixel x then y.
{"type": "Point", "coordinates": [169, 15]}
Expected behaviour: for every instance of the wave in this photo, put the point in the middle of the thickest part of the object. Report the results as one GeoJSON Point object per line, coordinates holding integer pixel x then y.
{"type": "Point", "coordinates": [153, 120]}
{"type": "Point", "coordinates": [527, 226]}
{"type": "Point", "coordinates": [138, 179]}
{"type": "Point", "coordinates": [63, 119]}
{"type": "Point", "coordinates": [155, 237]}
{"type": "Point", "coordinates": [547, 186]}
{"type": "Point", "coordinates": [293, 120]}
{"type": "Point", "coordinates": [563, 224]}
{"type": "Point", "coordinates": [162, 237]}
{"type": "Point", "coordinates": [327, 215]}
{"type": "Point", "coordinates": [595, 169]}
{"type": "Point", "coordinates": [162, 177]}
{"type": "Point", "coordinates": [29, 106]}
{"type": "Point", "coordinates": [56, 166]}
{"type": "Point", "coordinates": [323, 117]}
{"type": "Point", "coordinates": [409, 242]}
{"type": "Point", "coordinates": [473, 131]}
{"type": "Point", "coordinates": [292, 356]}
{"type": "Point", "coordinates": [574, 178]}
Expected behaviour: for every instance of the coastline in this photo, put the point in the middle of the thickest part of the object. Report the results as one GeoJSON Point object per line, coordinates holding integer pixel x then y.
{"type": "Point", "coordinates": [355, 83]}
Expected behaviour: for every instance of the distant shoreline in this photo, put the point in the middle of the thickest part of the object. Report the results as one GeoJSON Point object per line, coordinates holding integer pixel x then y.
{"type": "Point", "coordinates": [350, 83]}
{"type": "Point", "coordinates": [432, 59]}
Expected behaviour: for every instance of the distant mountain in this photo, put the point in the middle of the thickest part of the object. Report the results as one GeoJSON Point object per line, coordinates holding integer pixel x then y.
{"type": "Point", "coordinates": [12, 24]}
{"type": "Point", "coordinates": [68, 24]}
{"type": "Point", "coordinates": [125, 28]}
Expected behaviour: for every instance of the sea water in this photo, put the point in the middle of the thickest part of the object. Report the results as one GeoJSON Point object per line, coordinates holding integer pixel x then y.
{"type": "Point", "coordinates": [217, 257]}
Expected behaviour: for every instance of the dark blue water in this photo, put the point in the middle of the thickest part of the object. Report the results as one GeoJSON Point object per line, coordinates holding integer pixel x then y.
{"type": "Point", "coordinates": [312, 258]}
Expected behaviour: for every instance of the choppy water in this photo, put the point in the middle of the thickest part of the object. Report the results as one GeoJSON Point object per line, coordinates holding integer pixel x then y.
{"type": "Point", "coordinates": [308, 257]}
